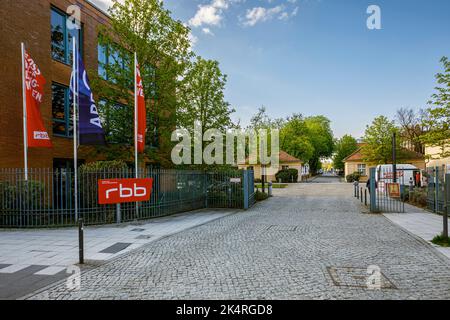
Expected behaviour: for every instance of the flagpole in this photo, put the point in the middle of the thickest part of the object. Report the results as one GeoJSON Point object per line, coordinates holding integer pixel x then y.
{"type": "Point", "coordinates": [136, 154]}
{"type": "Point", "coordinates": [135, 117]}
{"type": "Point", "coordinates": [75, 131]}
{"type": "Point", "coordinates": [24, 104]}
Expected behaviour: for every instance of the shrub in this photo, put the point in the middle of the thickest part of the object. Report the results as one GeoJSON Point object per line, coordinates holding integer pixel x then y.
{"type": "Point", "coordinates": [23, 194]}
{"type": "Point", "coordinates": [418, 197]}
{"type": "Point", "coordinates": [103, 165]}
{"type": "Point", "coordinates": [356, 176]}
{"type": "Point", "coordinates": [287, 176]}
{"type": "Point", "coordinates": [261, 196]}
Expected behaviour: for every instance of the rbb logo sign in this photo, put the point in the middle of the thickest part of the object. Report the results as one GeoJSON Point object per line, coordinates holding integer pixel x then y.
{"type": "Point", "coordinates": [114, 191]}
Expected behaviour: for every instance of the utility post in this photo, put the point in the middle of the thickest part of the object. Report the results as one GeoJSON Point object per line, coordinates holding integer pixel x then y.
{"type": "Point", "coordinates": [394, 156]}
{"type": "Point", "coordinates": [263, 178]}
{"type": "Point", "coordinates": [446, 199]}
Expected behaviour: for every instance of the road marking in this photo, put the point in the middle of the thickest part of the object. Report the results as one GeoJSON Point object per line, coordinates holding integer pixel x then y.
{"type": "Point", "coordinates": [50, 271]}
{"type": "Point", "coordinates": [14, 268]}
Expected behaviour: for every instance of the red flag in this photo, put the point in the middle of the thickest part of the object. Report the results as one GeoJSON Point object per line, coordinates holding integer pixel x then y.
{"type": "Point", "coordinates": [141, 113]}
{"type": "Point", "coordinates": [38, 136]}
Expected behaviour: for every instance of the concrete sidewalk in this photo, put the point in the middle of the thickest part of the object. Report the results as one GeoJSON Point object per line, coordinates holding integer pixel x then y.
{"type": "Point", "coordinates": [424, 224]}
{"type": "Point", "coordinates": [58, 248]}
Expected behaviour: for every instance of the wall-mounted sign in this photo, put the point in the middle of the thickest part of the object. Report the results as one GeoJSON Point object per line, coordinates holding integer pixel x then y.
{"type": "Point", "coordinates": [113, 191]}
{"type": "Point", "coordinates": [393, 190]}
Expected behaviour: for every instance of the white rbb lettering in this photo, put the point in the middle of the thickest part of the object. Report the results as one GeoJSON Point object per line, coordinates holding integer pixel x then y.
{"type": "Point", "coordinates": [127, 192]}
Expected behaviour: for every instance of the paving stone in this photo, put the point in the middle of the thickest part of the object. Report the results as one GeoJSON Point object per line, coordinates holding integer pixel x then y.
{"type": "Point", "coordinates": [236, 257]}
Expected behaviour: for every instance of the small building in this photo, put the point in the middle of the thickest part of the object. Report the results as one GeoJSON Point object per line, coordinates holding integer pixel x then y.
{"type": "Point", "coordinates": [355, 163]}
{"type": "Point", "coordinates": [434, 158]}
{"type": "Point", "coordinates": [286, 162]}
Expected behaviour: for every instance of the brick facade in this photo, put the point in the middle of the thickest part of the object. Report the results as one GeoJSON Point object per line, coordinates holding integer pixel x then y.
{"type": "Point", "coordinates": [29, 22]}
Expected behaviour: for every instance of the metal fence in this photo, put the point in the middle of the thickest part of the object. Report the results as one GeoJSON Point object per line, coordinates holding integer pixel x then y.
{"type": "Point", "coordinates": [436, 187]}
{"type": "Point", "coordinates": [46, 199]}
{"type": "Point", "coordinates": [386, 190]}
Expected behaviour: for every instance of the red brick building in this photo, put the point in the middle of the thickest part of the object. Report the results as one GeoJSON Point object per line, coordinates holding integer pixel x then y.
{"type": "Point", "coordinates": [41, 25]}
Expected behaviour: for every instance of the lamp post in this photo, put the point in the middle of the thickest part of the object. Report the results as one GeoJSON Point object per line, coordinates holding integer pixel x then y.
{"type": "Point", "coordinates": [394, 157]}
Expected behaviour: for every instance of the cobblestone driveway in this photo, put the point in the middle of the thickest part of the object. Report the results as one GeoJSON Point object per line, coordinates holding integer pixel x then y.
{"type": "Point", "coordinates": [308, 242]}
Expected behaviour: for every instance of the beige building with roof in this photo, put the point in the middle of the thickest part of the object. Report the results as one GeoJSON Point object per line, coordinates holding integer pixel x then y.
{"type": "Point", "coordinates": [434, 159]}
{"type": "Point", "coordinates": [355, 163]}
{"type": "Point", "coordinates": [286, 162]}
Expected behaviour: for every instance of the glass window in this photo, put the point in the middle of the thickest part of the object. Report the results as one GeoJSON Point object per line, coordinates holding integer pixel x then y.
{"type": "Point", "coordinates": [58, 29]}
{"type": "Point", "coordinates": [102, 61]}
{"type": "Point", "coordinates": [112, 60]}
{"type": "Point", "coordinates": [61, 37]}
{"type": "Point", "coordinates": [62, 111]}
{"type": "Point", "coordinates": [362, 169]}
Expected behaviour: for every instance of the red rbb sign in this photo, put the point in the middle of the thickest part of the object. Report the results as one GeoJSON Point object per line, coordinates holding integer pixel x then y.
{"type": "Point", "coordinates": [113, 191]}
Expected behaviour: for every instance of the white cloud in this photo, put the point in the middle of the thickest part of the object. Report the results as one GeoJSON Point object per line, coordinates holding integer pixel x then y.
{"type": "Point", "coordinates": [260, 14]}
{"type": "Point", "coordinates": [207, 31]}
{"type": "Point", "coordinates": [209, 14]}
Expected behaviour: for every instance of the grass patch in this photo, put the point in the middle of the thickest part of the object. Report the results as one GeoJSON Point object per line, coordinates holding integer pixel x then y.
{"type": "Point", "coordinates": [274, 186]}
{"type": "Point", "coordinates": [440, 241]}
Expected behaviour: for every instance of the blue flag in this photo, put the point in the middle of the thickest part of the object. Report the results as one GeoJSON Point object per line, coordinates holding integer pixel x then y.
{"type": "Point", "coordinates": [90, 127]}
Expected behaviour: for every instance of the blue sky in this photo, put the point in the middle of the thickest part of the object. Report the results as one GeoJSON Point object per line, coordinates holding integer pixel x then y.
{"type": "Point", "coordinates": [319, 57]}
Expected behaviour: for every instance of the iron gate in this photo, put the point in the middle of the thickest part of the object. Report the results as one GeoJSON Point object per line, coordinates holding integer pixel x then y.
{"type": "Point", "coordinates": [387, 189]}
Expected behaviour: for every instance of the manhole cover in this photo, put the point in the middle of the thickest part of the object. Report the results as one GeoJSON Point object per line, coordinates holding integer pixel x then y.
{"type": "Point", "coordinates": [144, 237]}
{"type": "Point", "coordinates": [282, 228]}
{"type": "Point", "coordinates": [358, 278]}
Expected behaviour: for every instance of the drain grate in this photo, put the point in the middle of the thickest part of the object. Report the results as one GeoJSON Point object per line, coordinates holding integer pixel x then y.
{"type": "Point", "coordinates": [282, 228]}
{"type": "Point", "coordinates": [138, 230]}
{"type": "Point", "coordinates": [117, 247]}
{"type": "Point", "coordinates": [350, 277]}
{"type": "Point", "coordinates": [144, 237]}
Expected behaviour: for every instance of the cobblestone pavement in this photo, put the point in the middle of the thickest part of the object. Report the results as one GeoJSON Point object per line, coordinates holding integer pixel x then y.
{"type": "Point", "coordinates": [310, 241]}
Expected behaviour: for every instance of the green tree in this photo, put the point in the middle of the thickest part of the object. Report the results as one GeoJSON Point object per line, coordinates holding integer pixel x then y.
{"type": "Point", "coordinates": [164, 51]}
{"type": "Point", "coordinates": [202, 98]}
{"type": "Point", "coordinates": [322, 139]}
{"type": "Point", "coordinates": [344, 147]}
{"type": "Point", "coordinates": [378, 141]}
{"type": "Point", "coordinates": [295, 140]}
{"type": "Point", "coordinates": [261, 120]}
{"type": "Point", "coordinates": [438, 120]}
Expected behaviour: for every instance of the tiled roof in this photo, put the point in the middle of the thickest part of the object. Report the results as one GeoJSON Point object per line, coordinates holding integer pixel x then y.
{"type": "Point", "coordinates": [286, 157]}
{"type": "Point", "coordinates": [357, 155]}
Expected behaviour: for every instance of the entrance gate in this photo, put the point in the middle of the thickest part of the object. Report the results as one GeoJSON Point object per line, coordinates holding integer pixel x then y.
{"type": "Point", "coordinates": [386, 191]}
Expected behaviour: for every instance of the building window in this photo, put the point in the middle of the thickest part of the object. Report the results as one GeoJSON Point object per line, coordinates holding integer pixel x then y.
{"type": "Point", "coordinates": [62, 111]}
{"type": "Point", "coordinates": [362, 169]}
{"type": "Point", "coordinates": [112, 60]}
{"type": "Point", "coordinates": [285, 167]}
{"type": "Point", "coordinates": [61, 37]}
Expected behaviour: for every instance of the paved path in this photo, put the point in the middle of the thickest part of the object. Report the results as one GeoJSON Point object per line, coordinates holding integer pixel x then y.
{"type": "Point", "coordinates": [309, 242]}
{"type": "Point", "coordinates": [32, 259]}
{"type": "Point", "coordinates": [421, 223]}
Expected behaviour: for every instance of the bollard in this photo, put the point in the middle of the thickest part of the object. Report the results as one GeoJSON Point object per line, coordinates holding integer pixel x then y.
{"type": "Point", "coordinates": [361, 195]}
{"type": "Point", "coordinates": [270, 189]}
{"type": "Point", "coordinates": [118, 214]}
{"type": "Point", "coordinates": [365, 197]}
{"type": "Point", "coordinates": [81, 240]}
